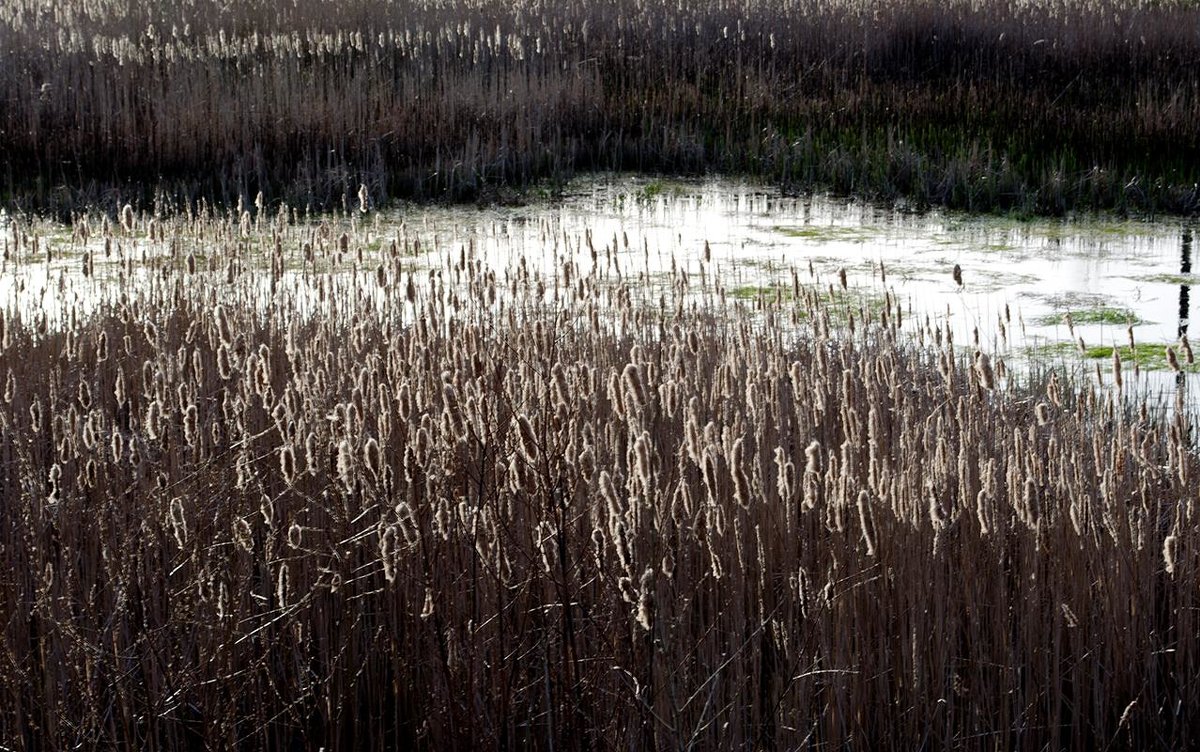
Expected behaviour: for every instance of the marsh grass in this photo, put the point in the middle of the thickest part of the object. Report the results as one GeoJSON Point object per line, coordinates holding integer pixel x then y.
{"type": "Point", "coordinates": [496, 508]}
{"type": "Point", "coordinates": [1030, 108]}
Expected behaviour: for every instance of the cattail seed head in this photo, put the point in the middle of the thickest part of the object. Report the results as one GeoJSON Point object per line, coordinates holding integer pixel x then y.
{"type": "Point", "coordinates": [282, 586]}
{"type": "Point", "coordinates": [635, 390]}
{"type": "Point", "coordinates": [1170, 548]}
{"type": "Point", "coordinates": [387, 548]}
{"type": "Point", "coordinates": [372, 457]}
{"type": "Point", "coordinates": [528, 439]}
{"type": "Point", "coordinates": [287, 463]}
{"type": "Point", "coordinates": [645, 610]}
{"type": "Point", "coordinates": [983, 369]}
{"type": "Point", "coordinates": [812, 457]}
{"type": "Point", "coordinates": [345, 463]}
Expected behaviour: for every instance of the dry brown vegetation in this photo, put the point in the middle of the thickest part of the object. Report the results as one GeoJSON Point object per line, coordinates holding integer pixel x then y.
{"type": "Point", "coordinates": [997, 105]}
{"type": "Point", "coordinates": [494, 509]}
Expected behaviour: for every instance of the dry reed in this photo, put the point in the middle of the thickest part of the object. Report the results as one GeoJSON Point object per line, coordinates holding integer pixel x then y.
{"type": "Point", "coordinates": [583, 521]}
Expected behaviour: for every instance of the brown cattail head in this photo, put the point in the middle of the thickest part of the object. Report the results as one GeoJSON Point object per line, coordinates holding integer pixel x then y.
{"type": "Point", "coordinates": [1170, 549]}
{"type": "Point", "coordinates": [635, 389]}
{"type": "Point", "coordinates": [528, 439]}
{"type": "Point", "coordinates": [372, 457]}
{"type": "Point", "coordinates": [645, 610]}
{"type": "Point", "coordinates": [812, 456]}
{"type": "Point", "coordinates": [287, 463]}
{"type": "Point", "coordinates": [345, 463]}
{"type": "Point", "coordinates": [983, 369]}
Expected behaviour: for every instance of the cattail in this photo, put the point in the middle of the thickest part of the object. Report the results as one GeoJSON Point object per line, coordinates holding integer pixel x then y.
{"type": "Point", "coordinates": [407, 522]}
{"type": "Point", "coordinates": [282, 586]}
{"type": "Point", "coordinates": [1173, 360]}
{"type": "Point", "coordinates": [625, 586]}
{"type": "Point", "coordinates": [127, 218]}
{"type": "Point", "coordinates": [427, 609]}
{"type": "Point", "coordinates": [1031, 502]}
{"type": "Point", "coordinates": [741, 485]}
{"type": "Point", "coordinates": [117, 447]}
{"type": "Point", "coordinates": [785, 474]}
{"type": "Point", "coordinates": [711, 483]}
{"type": "Point", "coordinates": [102, 347]}
{"type": "Point", "coordinates": [1188, 356]}
{"type": "Point", "coordinates": [153, 419]}
{"type": "Point", "coordinates": [53, 477]}
{"type": "Point", "coordinates": [812, 456]}
{"type": "Point", "coordinates": [1118, 378]}
{"type": "Point", "coordinates": [387, 547]}
{"type": "Point", "coordinates": [224, 369]}
{"type": "Point", "coordinates": [635, 390]}
{"type": "Point", "coordinates": [363, 198]}
{"type": "Point", "coordinates": [1170, 548]}
{"type": "Point", "coordinates": [287, 463]}
{"type": "Point", "coordinates": [528, 440]}
{"type": "Point", "coordinates": [191, 432]}
{"type": "Point", "coordinates": [983, 368]}
{"type": "Point", "coordinates": [35, 414]}
{"type": "Point", "coordinates": [621, 543]}
{"type": "Point", "coordinates": [224, 331]}
{"type": "Point", "coordinates": [345, 463]}
{"type": "Point", "coordinates": [404, 401]}
{"type": "Point", "coordinates": [645, 610]}
{"type": "Point", "coordinates": [310, 453]}
{"type": "Point", "coordinates": [608, 493]}
{"type": "Point", "coordinates": [561, 391]}
{"type": "Point", "coordinates": [295, 535]}
{"type": "Point", "coordinates": [372, 457]}
{"type": "Point", "coordinates": [641, 451]}
{"type": "Point", "coordinates": [842, 277]}
{"type": "Point", "coordinates": [957, 274]}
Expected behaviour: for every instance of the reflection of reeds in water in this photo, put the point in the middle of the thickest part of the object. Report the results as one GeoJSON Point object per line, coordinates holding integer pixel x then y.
{"type": "Point", "coordinates": [586, 521]}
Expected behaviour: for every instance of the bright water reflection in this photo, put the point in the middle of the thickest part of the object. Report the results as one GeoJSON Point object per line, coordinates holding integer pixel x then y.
{"type": "Point", "coordinates": [1020, 280]}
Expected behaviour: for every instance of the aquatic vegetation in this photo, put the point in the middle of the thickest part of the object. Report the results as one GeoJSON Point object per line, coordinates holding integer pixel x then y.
{"type": "Point", "coordinates": [1098, 315]}
{"type": "Point", "coordinates": [1002, 106]}
{"type": "Point", "coordinates": [540, 506]}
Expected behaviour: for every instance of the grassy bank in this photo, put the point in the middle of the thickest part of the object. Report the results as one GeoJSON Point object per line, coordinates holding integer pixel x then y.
{"type": "Point", "coordinates": [485, 508]}
{"type": "Point", "coordinates": [1000, 106]}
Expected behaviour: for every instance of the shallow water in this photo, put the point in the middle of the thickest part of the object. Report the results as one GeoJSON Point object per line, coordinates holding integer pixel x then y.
{"type": "Point", "coordinates": [1019, 279]}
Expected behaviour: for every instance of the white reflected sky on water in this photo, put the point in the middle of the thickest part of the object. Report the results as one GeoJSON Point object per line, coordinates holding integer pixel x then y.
{"type": "Point", "coordinates": [756, 238]}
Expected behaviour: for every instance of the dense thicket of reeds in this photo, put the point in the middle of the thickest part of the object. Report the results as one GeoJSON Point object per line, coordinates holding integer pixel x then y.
{"type": "Point", "coordinates": [478, 509]}
{"type": "Point", "coordinates": [1004, 104]}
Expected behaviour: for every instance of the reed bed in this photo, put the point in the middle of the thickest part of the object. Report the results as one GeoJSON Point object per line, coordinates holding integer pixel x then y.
{"type": "Point", "coordinates": [1001, 105]}
{"type": "Point", "coordinates": [490, 508]}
